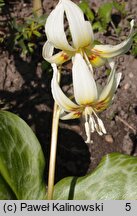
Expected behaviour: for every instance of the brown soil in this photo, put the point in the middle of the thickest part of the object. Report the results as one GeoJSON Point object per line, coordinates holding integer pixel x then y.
{"type": "Point", "coordinates": [25, 90]}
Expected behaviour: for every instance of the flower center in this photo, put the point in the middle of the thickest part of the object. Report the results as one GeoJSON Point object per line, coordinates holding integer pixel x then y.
{"type": "Point", "coordinates": [92, 123]}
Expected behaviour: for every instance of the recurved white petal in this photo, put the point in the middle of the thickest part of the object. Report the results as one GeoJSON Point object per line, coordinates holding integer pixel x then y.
{"type": "Point", "coordinates": [61, 99]}
{"type": "Point", "coordinates": [85, 90]}
{"type": "Point", "coordinates": [109, 51]}
{"type": "Point", "coordinates": [81, 30]}
{"type": "Point", "coordinates": [48, 49]}
{"type": "Point", "coordinates": [71, 115]}
{"type": "Point", "coordinates": [117, 78]}
{"type": "Point", "coordinates": [111, 86]}
{"type": "Point", "coordinates": [58, 58]}
{"type": "Point", "coordinates": [55, 28]}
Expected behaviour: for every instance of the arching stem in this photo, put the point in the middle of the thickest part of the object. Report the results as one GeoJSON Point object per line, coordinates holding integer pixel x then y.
{"type": "Point", "coordinates": [53, 149]}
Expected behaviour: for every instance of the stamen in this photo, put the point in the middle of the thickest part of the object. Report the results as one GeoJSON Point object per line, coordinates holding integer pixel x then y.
{"type": "Point", "coordinates": [87, 129]}
{"type": "Point", "coordinates": [101, 125]}
{"type": "Point", "coordinates": [100, 128]}
{"type": "Point", "coordinates": [91, 121]}
{"type": "Point", "coordinates": [88, 62]}
{"type": "Point", "coordinates": [86, 114]}
{"type": "Point", "coordinates": [92, 124]}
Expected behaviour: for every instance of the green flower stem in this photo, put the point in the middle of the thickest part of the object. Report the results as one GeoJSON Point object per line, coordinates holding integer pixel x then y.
{"type": "Point", "coordinates": [53, 149]}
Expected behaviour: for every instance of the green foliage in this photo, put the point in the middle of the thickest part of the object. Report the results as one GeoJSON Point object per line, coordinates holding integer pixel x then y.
{"type": "Point", "coordinates": [134, 45]}
{"type": "Point", "coordinates": [46, 66]}
{"type": "Point", "coordinates": [2, 35]}
{"type": "Point", "coordinates": [2, 3]}
{"type": "Point", "coordinates": [104, 14]}
{"type": "Point", "coordinates": [5, 191]}
{"type": "Point", "coordinates": [120, 7]}
{"type": "Point", "coordinates": [102, 18]}
{"type": "Point", "coordinates": [28, 33]}
{"type": "Point", "coordinates": [114, 179]}
{"type": "Point", "coordinates": [21, 160]}
{"type": "Point", "coordinates": [86, 9]}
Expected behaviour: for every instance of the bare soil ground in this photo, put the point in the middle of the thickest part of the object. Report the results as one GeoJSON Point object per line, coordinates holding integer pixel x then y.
{"type": "Point", "coordinates": [25, 90]}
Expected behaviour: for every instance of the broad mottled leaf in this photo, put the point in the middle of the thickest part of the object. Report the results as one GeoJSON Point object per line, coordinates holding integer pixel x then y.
{"type": "Point", "coordinates": [21, 158]}
{"type": "Point", "coordinates": [5, 191]}
{"type": "Point", "coordinates": [115, 178]}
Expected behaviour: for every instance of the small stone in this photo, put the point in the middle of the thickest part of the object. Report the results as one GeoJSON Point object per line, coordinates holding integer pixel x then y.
{"type": "Point", "coordinates": [126, 86]}
{"type": "Point", "coordinates": [122, 112]}
{"type": "Point", "coordinates": [109, 138]}
{"type": "Point", "coordinates": [131, 75]}
{"type": "Point", "coordinates": [43, 85]}
{"type": "Point", "coordinates": [29, 116]}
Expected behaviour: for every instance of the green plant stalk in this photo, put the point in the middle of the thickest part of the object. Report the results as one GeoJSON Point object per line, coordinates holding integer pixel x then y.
{"type": "Point", "coordinates": [53, 149]}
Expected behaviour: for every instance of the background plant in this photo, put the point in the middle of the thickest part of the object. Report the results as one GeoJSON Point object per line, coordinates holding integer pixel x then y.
{"type": "Point", "coordinates": [102, 19]}
{"type": "Point", "coordinates": [27, 34]}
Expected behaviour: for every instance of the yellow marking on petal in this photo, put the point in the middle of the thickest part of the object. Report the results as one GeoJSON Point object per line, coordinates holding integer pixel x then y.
{"type": "Point", "coordinates": [102, 105]}
{"type": "Point", "coordinates": [60, 59]}
{"type": "Point", "coordinates": [77, 114]}
{"type": "Point", "coordinates": [96, 60]}
{"type": "Point", "coordinates": [97, 52]}
{"type": "Point", "coordinates": [65, 56]}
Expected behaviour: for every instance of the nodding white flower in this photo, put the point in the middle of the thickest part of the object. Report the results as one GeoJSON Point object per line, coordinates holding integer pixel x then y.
{"type": "Point", "coordinates": [89, 99]}
{"type": "Point", "coordinates": [81, 34]}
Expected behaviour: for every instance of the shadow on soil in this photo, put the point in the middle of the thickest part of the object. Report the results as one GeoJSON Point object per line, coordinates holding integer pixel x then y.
{"type": "Point", "coordinates": [34, 103]}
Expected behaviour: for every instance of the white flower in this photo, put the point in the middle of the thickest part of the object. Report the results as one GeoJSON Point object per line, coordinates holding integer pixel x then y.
{"type": "Point", "coordinates": [89, 99]}
{"type": "Point", "coordinates": [82, 37]}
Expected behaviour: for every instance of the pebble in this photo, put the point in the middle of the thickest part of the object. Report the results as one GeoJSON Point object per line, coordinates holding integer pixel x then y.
{"type": "Point", "coordinates": [43, 85]}
{"type": "Point", "coordinates": [126, 86]}
{"type": "Point", "coordinates": [131, 75]}
{"type": "Point", "coordinates": [109, 138]}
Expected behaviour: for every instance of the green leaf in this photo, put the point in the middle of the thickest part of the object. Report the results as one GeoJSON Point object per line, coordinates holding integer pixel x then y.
{"type": "Point", "coordinates": [114, 179]}
{"type": "Point", "coordinates": [134, 45]}
{"type": "Point", "coordinates": [120, 7]}
{"type": "Point", "coordinates": [45, 65]}
{"type": "Point", "coordinates": [134, 50]}
{"type": "Point", "coordinates": [21, 158]}
{"type": "Point", "coordinates": [31, 47]}
{"type": "Point", "coordinates": [5, 191]}
{"type": "Point", "coordinates": [2, 3]}
{"type": "Point", "coordinates": [86, 10]}
{"type": "Point", "coordinates": [23, 47]}
{"type": "Point", "coordinates": [38, 34]}
{"type": "Point", "coordinates": [97, 26]}
{"type": "Point", "coordinates": [104, 13]}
